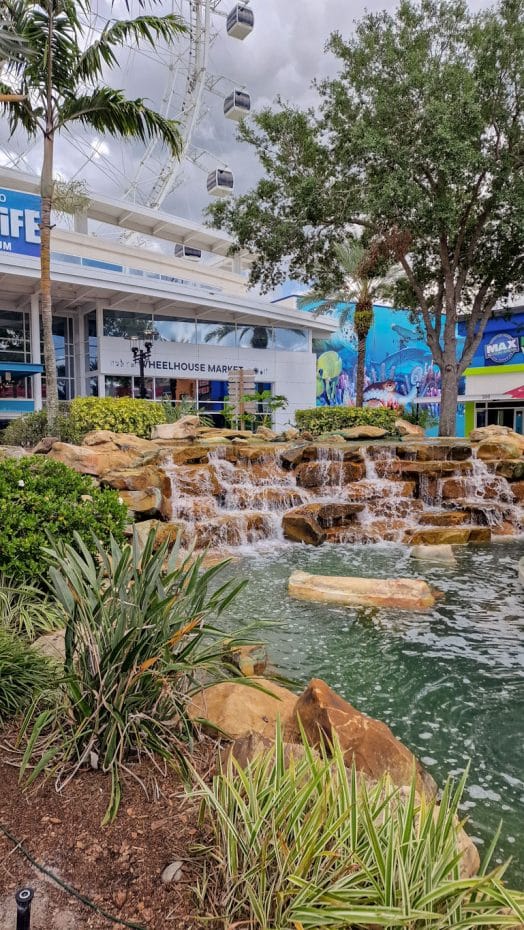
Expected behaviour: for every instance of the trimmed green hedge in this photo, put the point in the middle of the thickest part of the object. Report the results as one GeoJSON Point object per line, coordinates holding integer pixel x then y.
{"type": "Point", "coordinates": [119, 414]}
{"type": "Point", "coordinates": [40, 496]}
{"type": "Point", "coordinates": [320, 420]}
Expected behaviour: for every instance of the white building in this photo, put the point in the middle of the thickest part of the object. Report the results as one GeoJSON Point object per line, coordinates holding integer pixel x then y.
{"type": "Point", "coordinates": [108, 288]}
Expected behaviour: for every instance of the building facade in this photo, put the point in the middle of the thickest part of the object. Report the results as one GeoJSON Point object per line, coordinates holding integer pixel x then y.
{"type": "Point", "coordinates": [108, 288]}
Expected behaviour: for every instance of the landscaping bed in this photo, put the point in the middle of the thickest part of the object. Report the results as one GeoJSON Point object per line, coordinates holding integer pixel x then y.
{"type": "Point", "coordinates": [117, 867]}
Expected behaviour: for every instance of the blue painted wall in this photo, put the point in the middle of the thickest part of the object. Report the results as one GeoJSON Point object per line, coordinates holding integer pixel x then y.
{"type": "Point", "coordinates": [502, 342]}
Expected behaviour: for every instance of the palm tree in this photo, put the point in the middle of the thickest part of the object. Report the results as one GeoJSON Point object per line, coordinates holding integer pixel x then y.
{"type": "Point", "coordinates": [358, 288]}
{"type": "Point", "coordinates": [57, 80]}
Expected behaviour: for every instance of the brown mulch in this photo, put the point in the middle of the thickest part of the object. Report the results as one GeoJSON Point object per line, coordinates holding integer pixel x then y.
{"type": "Point", "coordinates": [117, 867]}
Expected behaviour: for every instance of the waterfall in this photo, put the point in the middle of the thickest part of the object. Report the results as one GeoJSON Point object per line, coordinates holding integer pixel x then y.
{"type": "Point", "coordinates": [240, 494]}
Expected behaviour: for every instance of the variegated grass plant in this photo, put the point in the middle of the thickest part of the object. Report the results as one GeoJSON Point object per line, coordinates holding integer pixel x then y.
{"type": "Point", "coordinates": [139, 643]}
{"type": "Point", "coordinates": [303, 843]}
{"type": "Point", "coordinates": [23, 673]}
{"type": "Point", "coordinates": [25, 610]}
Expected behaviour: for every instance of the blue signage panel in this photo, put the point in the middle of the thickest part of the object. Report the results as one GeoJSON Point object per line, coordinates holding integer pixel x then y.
{"type": "Point", "coordinates": [19, 223]}
{"type": "Point", "coordinates": [501, 348]}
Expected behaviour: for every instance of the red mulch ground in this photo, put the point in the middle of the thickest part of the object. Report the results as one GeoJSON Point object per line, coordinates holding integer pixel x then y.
{"type": "Point", "coordinates": [117, 867]}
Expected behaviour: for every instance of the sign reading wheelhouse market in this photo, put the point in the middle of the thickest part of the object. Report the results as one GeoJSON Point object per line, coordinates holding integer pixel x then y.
{"type": "Point", "coordinates": [19, 223]}
{"type": "Point", "coordinates": [501, 348]}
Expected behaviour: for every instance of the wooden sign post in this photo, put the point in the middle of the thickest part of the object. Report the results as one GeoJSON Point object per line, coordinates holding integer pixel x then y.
{"type": "Point", "coordinates": [241, 382]}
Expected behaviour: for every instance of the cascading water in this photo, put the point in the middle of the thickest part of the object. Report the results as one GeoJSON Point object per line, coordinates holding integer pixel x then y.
{"type": "Point", "coordinates": [238, 495]}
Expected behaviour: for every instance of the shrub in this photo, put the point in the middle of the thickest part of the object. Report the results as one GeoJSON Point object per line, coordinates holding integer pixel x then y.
{"type": "Point", "coordinates": [40, 496]}
{"type": "Point", "coordinates": [319, 420]}
{"type": "Point", "coordinates": [24, 674]}
{"type": "Point", "coordinates": [119, 414]}
{"type": "Point", "coordinates": [26, 612]}
{"type": "Point", "coordinates": [307, 844]}
{"type": "Point", "coordinates": [28, 430]}
{"type": "Point", "coordinates": [139, 643]}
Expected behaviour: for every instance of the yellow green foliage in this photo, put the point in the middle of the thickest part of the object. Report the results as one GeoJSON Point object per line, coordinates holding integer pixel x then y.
{"type": "Point", "coordinates": [120, 414]}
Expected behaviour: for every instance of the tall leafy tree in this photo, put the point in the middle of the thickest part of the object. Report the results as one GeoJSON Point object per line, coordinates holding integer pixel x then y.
{"type": "Point", "coordinates": [419, 141]}
{"type": "Point", "coordinates": [58, 82]}
{"type": "Point", "coordinates": [360, 285]}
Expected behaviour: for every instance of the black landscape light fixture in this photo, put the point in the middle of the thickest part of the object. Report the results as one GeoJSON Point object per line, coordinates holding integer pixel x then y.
{"type": "Point", "coordinates": [141, 347]}
{"type": "Point", "coordinates": [23, 899]}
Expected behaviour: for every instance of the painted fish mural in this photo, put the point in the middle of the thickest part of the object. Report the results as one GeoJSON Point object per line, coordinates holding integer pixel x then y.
{"type": "Point", "coordinates": [399, 368]}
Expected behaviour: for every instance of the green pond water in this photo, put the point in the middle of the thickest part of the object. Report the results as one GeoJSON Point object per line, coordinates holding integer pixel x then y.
{"type": "Point", "coordinates": [449, 682]}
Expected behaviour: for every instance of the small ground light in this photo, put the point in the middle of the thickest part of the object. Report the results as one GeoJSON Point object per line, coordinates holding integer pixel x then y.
{"type": "Point", "coordinates": [23, 908]}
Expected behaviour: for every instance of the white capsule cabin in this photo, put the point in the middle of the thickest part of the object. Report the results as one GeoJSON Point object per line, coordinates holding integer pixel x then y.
{"type": "Point", "coordinates": [237, 105]}
{"type": "Point", "coordinates": [220, 182]}
{"type": "Point", "coordinates": [188, 253]}
{"type": "Point", "coordinates": [240, 21]}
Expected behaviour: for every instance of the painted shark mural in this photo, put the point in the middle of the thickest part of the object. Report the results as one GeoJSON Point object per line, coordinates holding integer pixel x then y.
{"type": "Point", "coordinates": [399, 368]}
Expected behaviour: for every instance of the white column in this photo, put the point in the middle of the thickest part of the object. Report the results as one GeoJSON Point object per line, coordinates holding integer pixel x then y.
{"type": "Point", "coordinates": [36, 356]}
{"type": "Point", "coordinates": [100, 335]}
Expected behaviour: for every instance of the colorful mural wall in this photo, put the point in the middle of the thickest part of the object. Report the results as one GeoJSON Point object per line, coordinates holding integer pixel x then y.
{"type": "Point", "coordinates": [399, 366]}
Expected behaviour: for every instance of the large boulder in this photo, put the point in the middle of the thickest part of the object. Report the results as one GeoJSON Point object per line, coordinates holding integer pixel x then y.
{"type": "Point", "coordinates": [235, 709]}
{"type": "Point", "coordinates": [367, 743]}
{"type": "Point", "coordinates": [401, 593]}
{"type": "Point", "coordinates": [411, 430]}
{"type": "Point", "coordinates": [13, 452]}
{"type": "Point", "coordinates": [184, 428]}
{"type": "Point", "coordinates": [319, 474]}
{"type": "Point", "coordinates": [103, 451]}
{"type": "Point", "coordinates": [137, 479]}
{"type": "Point", "coordinates": [267, 434]}
{"type": "Point", "coordinates": [500, 447]}
{"type": "Point", "coordinates": [494, 432]}
{"type": "Point", "coordinates": [145, 503]}
{"type": "Point", "coordinates": [449, 535]}
{"type": "Point", "coordinates": [300, 525]}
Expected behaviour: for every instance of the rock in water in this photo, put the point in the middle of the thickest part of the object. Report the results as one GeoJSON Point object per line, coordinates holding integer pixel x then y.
{"type": "Point", "coordinates": [443, 554]}
{"type": "Point", "coordinates": [237, 709]}
{"type": "Point", "coordinates": [403, 593]}
{"type": "Point", "coordinates": [367, 743]}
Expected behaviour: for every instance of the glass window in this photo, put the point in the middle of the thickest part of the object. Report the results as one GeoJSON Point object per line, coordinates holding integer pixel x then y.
{"type": "Point", "coordinates": [215, 333]}
{"type": "Point", "coordinates": [125, 324]}
{"type": "Point", "coordinates": [148, 387]}
{"type": "Point", "coordinates": [118, 387]}
{"type": "Point", "coordinates": [14, 337]}
{"type": "Point", "coordinates": [173, 329]}
{"type": "Point", "coordinates": [92, 387]}
{"type": "Point", "coordinates": [291, 340]}
{"type": "Point", "coordinates": [165, 389]}
{"type": "Point", "coordinates": [256, 337]}
{"type": "Point", "coordinates": [91, 341]}
{"type": "Point", "coordinates": [63, 344]}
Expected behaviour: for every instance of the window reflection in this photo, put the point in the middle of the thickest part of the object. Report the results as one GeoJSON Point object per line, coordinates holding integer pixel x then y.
{"type": "Point", "coordinates": [125, 324]}
{"type": "Point", "coordinates": [14, 337]}
{"type": "Point", "coordinates": [170, 329]}
{"type": "Point", "coordinates": [256, 337]}
{"type": "Point", "coordinates": [291, 340]}
{"type": "Point", "coordinates": [216, 333]}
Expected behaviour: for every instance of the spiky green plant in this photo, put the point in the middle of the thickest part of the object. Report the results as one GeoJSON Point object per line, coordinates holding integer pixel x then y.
{"type": "Point", "coordinates": [139, 644]}
{"type": "Point", "coordinates": [26, 610]}
{"type": "Point", "coordinates": [23, 674]}
{"type": "Point", "coordinates": [302, 843]}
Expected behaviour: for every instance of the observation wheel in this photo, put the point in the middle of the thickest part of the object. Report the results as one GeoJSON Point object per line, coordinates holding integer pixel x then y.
{"type": "Point", "coordinates": [177, 80]}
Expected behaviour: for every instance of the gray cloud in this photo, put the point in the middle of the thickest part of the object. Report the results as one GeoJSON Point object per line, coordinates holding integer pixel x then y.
{"type": "Point", "coordinates": [281, 57]}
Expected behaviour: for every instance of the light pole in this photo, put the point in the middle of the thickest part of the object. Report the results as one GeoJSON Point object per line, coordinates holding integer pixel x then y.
{"type": "Point", "coordinates": [141, 348]}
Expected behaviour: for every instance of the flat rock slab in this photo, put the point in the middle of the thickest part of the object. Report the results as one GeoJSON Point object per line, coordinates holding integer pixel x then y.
{"type": "Point", "coordinates": [402, 593]}
{"type": "Point", "coordinates": [442, 554]}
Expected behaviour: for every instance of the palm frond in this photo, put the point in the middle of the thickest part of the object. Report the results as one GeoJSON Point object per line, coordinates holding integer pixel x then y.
{"type": "Point", "coordinates": [108, 111]}
{"type": "Point", "coordinates": [119, 32]}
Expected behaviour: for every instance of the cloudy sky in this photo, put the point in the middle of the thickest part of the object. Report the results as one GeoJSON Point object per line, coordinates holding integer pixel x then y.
{"type": "Point", "coordinates": [281, 56]}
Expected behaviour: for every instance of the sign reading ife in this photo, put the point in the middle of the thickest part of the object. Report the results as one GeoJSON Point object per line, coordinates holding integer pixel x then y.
{"type": "Point", "coordinates": [19, 223]}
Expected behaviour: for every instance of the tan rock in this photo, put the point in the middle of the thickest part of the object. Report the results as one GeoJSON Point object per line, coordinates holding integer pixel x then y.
{"type": "Point", "coordinates": [401, 593]}
{"type": "Point", "coordinates": [146, 502]}
{"type": "Point", "coordinates": [104, 451]}
{"type": "Point", "coordinates": [251, 660]}
{"type": "Point", "coordinates": [363, 432]}
{"type": "Point", "coordinates": [442, 554]}
{"type": "Point", "coordinates": [299, 525]}
{"type": "Point", "coordinates": [236, 709]}
{"type": "Point", "coordinates": [246, 749]}
{"type": "Point", "coordinates": [495, 432]}
{"type": "Point", "coordinates": [453, 536]}
{"type": "Point", "coordinates": [292, 457]}
{"type": "Point", "coordinates": [190, 455]}
{"type": "Point", "coordinates": [511, 470]}
{"type": "Point", "coordinates": [164, 532]}
{"type": "Point", "coordinates": [367, 743]}
{"type": "Point", "coordinates": [51, 645]}
{"type": "Point", "coordinates": [13, 452]}
{"type": "Point", "coordinates": [518, 490]}
{"type": "Point", "coordinates": [265, 433]}
{"type": "Point", "coordinates": [408, 429]}
{"type": "Point", "coordinates": [320, 474]}
{"type": "Point", "coordinates": [443, 518]}
{"type": "Point", "coordinates": [137, 479]}
{"type": "Point", "coordinates": [291, 433]}
{"type": "Point", "coordinates": [184, 428]}
{"type": "Point", "coordinates": [45, 445]}
{"type": "Point", "coordinates": [501, 447]}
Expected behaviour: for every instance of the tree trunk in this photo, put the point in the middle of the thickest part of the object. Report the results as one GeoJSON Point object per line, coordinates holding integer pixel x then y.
{"type": "Point", "coordinates": [46, 189]}
{"type": "Point", "coordinates": [361, 371]}
{"type": "Point", "coordinates": [46, 192]}
{"type": "Point", "coordinates": [448, 399]}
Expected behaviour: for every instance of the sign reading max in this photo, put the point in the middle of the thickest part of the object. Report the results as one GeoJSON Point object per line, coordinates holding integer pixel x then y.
{"type": "Point", "coordinates": [19, 223]}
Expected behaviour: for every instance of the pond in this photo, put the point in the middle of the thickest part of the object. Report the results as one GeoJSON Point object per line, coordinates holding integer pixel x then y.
{"type": "Point", "coordinates": [449, 682]}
